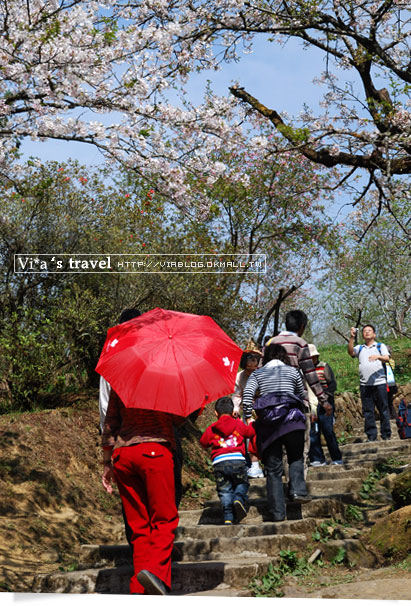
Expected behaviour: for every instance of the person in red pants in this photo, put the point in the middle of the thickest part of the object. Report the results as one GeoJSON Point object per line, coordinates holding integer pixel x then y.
{"type": "Point", "coordinates": [138, 450]}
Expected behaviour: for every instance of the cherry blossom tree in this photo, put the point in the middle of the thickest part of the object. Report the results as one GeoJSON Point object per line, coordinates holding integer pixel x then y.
{"type": "Point", "coordinates": [369, 281]}
{"type": "Point", "coordinates": [105, 73]}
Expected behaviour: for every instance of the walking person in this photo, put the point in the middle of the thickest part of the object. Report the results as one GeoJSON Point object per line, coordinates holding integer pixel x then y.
{"type": "Point", "coordinates": [280, 421]}
{"type": "Point", "coordinates": [226, 439]}
{"type": "Point", "coordinates": [299, 356]}
{"type": "Point", "coordinates": [249, 362]}
{"type": "Point", "coordinates": [324, 424]}
{"type": "Point", "coordinates": [373, 381]}
{"type": "Point", "coordinates": [138, 450]}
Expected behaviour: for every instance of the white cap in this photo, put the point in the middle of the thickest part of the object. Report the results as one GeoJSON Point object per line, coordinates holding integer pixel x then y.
{"type": "Point", "coordinates": [313, 350]}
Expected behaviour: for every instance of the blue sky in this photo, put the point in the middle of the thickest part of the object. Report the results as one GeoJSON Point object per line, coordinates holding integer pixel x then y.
{"type": "Point", "coordinates": [280, 77]}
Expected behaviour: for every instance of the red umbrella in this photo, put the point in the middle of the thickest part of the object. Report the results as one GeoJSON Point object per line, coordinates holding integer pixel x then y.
{"type": "Point", "coordinates": [169, 361]}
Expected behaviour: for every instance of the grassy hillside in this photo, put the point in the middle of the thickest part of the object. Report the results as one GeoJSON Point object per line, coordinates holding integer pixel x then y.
{"type": "Point", "coordinates": [346, 368]}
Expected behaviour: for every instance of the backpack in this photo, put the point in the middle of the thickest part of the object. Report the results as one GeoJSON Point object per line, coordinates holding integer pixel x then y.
{"type": "Point", "coordinates": [404, 420]}
{"type": "Point", "coordinates": [389, 373]}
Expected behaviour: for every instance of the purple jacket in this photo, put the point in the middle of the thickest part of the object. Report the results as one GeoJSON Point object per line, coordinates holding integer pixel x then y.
{"type": "Point", "coordinates": [277, 414]}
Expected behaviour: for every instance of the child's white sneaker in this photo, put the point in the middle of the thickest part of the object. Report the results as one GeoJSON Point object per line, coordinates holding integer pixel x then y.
{"type": "Point", "coordinates": [255, 471]}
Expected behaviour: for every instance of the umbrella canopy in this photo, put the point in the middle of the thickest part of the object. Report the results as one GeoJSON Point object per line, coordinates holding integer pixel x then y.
{"type": "Point", "coordinates": [169, 361]}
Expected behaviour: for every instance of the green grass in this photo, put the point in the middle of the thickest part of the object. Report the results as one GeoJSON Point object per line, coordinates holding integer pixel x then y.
{"type": "Point", "coordinates": [346, 368]}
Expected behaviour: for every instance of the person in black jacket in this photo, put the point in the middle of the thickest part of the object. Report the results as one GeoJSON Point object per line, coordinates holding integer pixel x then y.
{"type": "Point", "coordinates": [324, 424]}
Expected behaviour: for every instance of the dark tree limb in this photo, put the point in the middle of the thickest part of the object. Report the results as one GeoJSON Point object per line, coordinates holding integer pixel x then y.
{"type": "Point", "coordinates": [323, 156]}
{"type": "Point", "coordinates": [340, 334]}
{"type": "Point", "coordinates": [275, 309]}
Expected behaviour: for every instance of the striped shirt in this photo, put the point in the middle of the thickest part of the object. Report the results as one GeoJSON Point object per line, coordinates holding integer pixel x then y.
{"type": "Point", "coordinates": [300, 358]}
{"type": "Point", "coordinates": [275, 376]}
{"type": "Point", "coordinates": [126, 426]}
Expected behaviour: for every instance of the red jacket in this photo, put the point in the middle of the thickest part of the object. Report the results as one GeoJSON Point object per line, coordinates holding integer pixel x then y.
{"type": "Point", "coordinates": [226, 435]}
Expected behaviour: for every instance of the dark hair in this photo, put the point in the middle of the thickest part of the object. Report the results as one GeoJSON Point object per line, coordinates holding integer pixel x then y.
{"type": "Point", "coordinates": [247, 356]}
{"type": "Point", "coordinates": [367, 326]}
{"type": "Point", "coordinates": [266, 338]}
{"type": "Point", "coordinates": [274, 351]}
{"type": "Point", "coordinates": [128, 314]}
{"type": "Point", "coordinates": [224, 406]}
{"type": "Point", "coordinates": [295, 319]}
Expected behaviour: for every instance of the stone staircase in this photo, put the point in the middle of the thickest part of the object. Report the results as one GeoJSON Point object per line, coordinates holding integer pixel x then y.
{"type": "Point", "coordinates": [212, 559]}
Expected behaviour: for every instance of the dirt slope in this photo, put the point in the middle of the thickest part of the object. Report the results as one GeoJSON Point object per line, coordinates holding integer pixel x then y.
{"type": "Point", "coordinates": [51, 494]}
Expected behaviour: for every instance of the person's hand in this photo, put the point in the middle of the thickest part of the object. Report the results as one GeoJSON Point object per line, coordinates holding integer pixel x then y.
{"type": "Point", "coordinates": [353, 332]}
{"type": "Point", "coordinates": [108, 477]}
{"type": "Point", "coordinates": [328, 409]}
{"type": "Point", "coordinates": [373, 358]}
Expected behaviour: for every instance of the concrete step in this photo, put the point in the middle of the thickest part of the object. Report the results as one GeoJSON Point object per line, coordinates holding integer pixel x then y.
{"type": "Point", "coordinates": [210, 546]}
{"type": "Point", "coordinates": [94, 556]}
{"type": "Point", "coordinates": [321, 507]}
{"type": "Point", "coordinates": [187, 577]}
{"type": "Point", "coordinates": [221, 548]}
{"type": "Point", "coordinates": [380, 447]}
{"type": "Point", "coordinates": [321, 487]}
{"type": "Point", "coordinates": [335, 472]}
{"type": "Point", "coordinates": [226, 573]}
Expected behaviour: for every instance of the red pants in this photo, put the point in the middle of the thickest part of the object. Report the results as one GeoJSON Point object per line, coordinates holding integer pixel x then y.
{"type": "Point", "coordinates": [145, 479]}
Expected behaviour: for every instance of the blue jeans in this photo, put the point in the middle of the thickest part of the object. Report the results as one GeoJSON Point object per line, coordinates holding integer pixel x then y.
{"type": "Point", "coordinates": [273, 464]}
{"type": "Point", "coordinates": [371, 396]}
{"type": "Point", "coordinates": [325, 425]}
{"type": "Point", "coordinates": [232, 485]}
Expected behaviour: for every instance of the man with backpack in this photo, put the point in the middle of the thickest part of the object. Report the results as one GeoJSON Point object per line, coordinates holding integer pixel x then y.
{"type": "Point", "coordinates": [372, 357]}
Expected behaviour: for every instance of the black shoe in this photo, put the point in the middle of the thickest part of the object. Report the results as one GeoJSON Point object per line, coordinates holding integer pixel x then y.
{"type": "Point", "coordinates": [300, 498]}
{"type": "Point", "coordinates": [152, 584]}
{"type": "Point", "coordinates": [386, 438]}
{"type": "Point", "coordinates": [239, 511]}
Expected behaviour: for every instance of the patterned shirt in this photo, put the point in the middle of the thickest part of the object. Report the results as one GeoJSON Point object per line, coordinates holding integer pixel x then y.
{"type": "Point", "coordinates": [276, 377]}
{"type": "Point", "coordinates": [126, 426]}
{"type": "Point", "coordinates": [300, 358]}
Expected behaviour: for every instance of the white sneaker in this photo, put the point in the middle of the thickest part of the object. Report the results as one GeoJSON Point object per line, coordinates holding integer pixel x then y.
{"type": "Point", "coordinates": [317, 464]}
{"type": "Point", "coordinates": [255, 472]}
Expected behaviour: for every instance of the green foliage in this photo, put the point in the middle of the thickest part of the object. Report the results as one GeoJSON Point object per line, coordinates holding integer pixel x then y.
{"type": "Point", "coordinates": [321, 533]}
{"type": "Point", "coordinates": [344, 438]}
{"type": "Point", "coordinates": [340, 557]}
{"type": "Point", "coordinates": [353, 513]}
{"type": "Point", "coordinates": [404, 564]}
{"type": "Point", "coordinates": [346, 368]}
{"type": "Point", "coordinates": [401, 492]}
{"type": "Point", "coordinates": [66, 208]}
{"type": "Point", "coordinates": [370, 483]}
{"type": "Point", "coordinates": [53, 325]}
{"type": "Point", "coordinates": [271, 582]}
{"type": "Point", "coordinates": [368, 270]}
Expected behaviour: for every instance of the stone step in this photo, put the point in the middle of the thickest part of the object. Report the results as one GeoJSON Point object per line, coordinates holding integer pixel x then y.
{"type": "Point", "coordinates": [321, 507]}
{"type": "Point", "coordinates": [315, 488]}
{"type": "Point", "coordinates": [380, 447]}
{"type": "Point", "coordinates": [94, 556]}
{"type": "Point", "coordinates": [187, 577]}
{"type": "Point", "coordinates": [221, 574]}
{"type": "Point", "coordinates": [335, 472]}
{"type": "Point", "coordinates": [221, 548]}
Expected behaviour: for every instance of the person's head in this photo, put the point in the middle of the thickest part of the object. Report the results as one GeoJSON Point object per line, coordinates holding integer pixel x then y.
{"type": "Point", "coordinates": [266, 339]}
{"type": "Point", "coordinates": [128, 314]}
{"type": "Point", "coordinates": [275, 352]}
{"type": "Point", "coordinates": [296, 321]}
{"type": "Point", "coordinates": [250, 361]}
{"type": "Point", "coordinates": [224, 406]}
{"type": "Point", "coordinates": [368, 333]}
{"type": "Point", "coordinates": [315, 356]}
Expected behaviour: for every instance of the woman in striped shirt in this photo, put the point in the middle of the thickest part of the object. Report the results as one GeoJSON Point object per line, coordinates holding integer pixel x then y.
{"type": "Point", "coordinates": [280, 421]}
